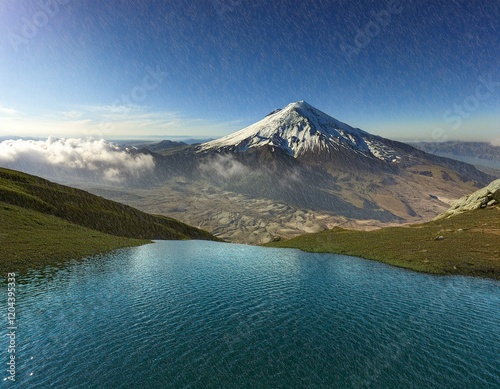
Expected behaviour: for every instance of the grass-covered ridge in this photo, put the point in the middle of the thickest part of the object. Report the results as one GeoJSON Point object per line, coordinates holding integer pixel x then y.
{"type": "Point", "coordinates": [42, 223]}
{"type": "Point", "coordinates": [467, 244]}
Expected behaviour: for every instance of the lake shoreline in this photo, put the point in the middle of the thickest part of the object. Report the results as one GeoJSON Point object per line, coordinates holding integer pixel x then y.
{"type": "Point", "coordinates": [465, 244]}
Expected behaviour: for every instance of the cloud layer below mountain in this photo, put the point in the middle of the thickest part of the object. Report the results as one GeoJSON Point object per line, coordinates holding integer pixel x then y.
{"type": "Point", "coordinates": [225, 167]}
{"type": "Point", "coordinates": [74, 158]}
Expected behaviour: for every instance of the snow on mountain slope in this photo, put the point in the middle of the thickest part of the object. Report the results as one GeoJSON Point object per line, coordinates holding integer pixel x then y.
{"type": "Point", "coordinates": [300, 128]}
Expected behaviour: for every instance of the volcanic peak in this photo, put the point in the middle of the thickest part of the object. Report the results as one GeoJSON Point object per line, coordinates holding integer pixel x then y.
{"type": "Point", "coordinates": [299, 129]}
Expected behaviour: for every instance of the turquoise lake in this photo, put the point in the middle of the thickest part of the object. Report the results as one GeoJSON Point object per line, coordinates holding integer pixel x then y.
{"type": "Point", "coordinates": [196, 314]}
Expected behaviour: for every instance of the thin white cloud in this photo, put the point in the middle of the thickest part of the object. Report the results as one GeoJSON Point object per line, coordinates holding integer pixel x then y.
{"type": "Point", "coordinates": [112, 122]}
{"type": "Point", "coordinates": [73, 115]}
{"type": "Point", "coordinates": [8, 111]}
{"type": "Point", "coordinates": [108, 111]}
{"type": "Point", "coordinates": [224, 166]}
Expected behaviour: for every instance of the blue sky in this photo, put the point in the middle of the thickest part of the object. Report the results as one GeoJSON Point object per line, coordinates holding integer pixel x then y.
{"type": "Point", "coordinates": [416, 70]}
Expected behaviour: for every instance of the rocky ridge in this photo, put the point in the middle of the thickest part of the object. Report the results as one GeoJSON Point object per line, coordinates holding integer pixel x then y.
{"type": "Point", "coordinates": [485, 197]}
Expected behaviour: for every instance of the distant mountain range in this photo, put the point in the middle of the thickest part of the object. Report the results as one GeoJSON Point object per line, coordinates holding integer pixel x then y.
{"type": "Point", "coordinates": [483, 155]}
{"type": "Point", "coordinates": [162, 146]}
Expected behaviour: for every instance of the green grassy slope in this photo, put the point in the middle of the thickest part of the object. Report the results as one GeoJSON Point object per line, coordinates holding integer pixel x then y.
{"type": "Point", "coordinates": [470, 244]}
{"type": "Point", "coordinates": [31, 239]}
{"type": "Point", "coordinates": [42, 222]}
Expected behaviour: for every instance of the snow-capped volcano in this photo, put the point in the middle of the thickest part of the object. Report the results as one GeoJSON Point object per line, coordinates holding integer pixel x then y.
{"type": "Point", "coordinates": [243, 187]}
{"type": "Point", "coordinates": [300, 128]}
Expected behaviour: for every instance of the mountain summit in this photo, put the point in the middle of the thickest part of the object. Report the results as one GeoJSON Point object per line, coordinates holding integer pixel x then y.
{"type": "Point", "coordinates": [300, 129]}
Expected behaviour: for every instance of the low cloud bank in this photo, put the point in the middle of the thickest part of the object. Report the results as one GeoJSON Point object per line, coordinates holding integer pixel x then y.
{"type": "Point", "coordinates": [67, 159]}
{"type": "Point", "coordinates": [225, 167]}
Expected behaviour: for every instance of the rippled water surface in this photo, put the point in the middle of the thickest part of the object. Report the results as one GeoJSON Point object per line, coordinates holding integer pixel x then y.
{"type": "Point", "coordinates": [212, 315]}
